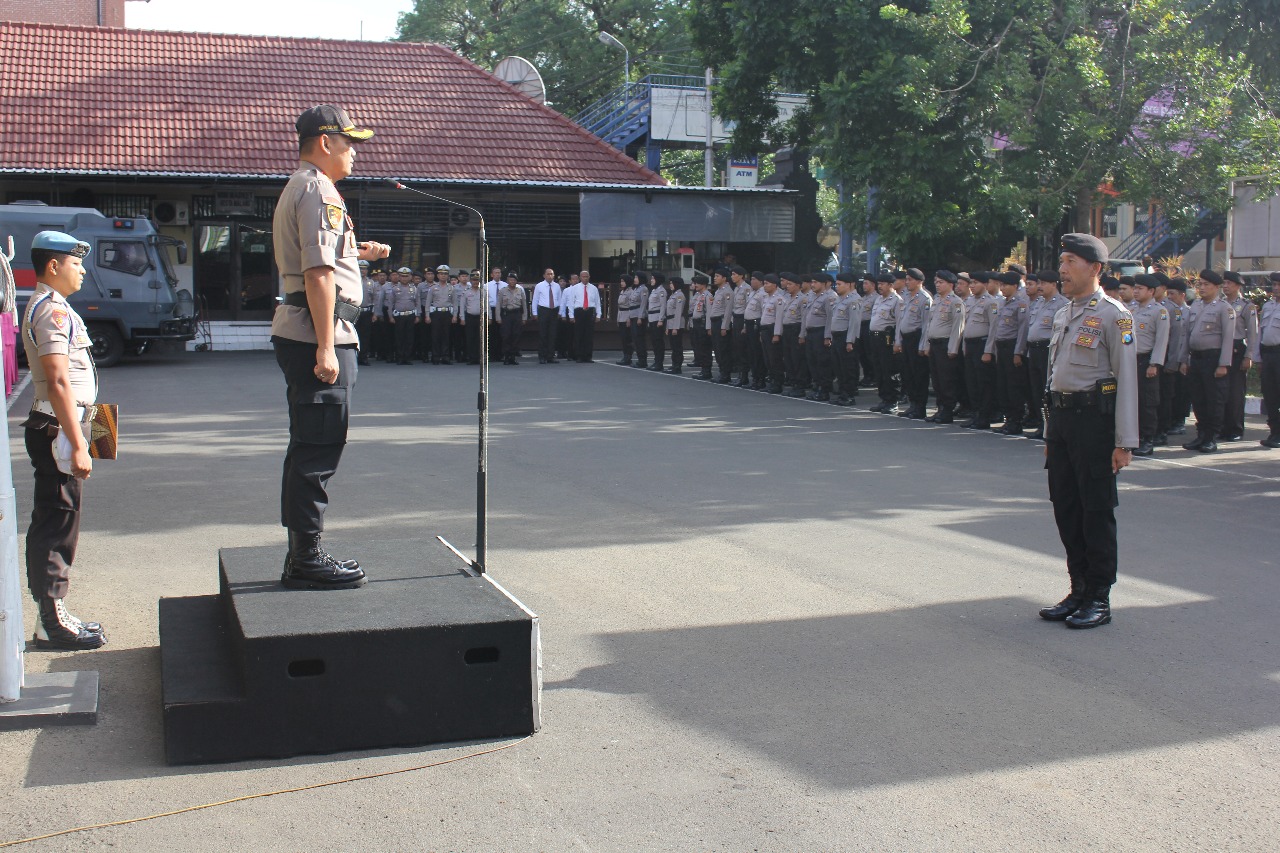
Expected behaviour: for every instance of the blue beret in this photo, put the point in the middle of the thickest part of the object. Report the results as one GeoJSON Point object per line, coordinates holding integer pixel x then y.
{"type": "Point", "coordinates": [1086, 246]}
{"type": "Point", "coordinates": [56, 241]}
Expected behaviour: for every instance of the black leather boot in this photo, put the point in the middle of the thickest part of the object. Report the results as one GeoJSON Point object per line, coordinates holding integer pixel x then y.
{"type": "Point", "coordinates": [346, 564]}
{"type": "Point", "coordinates": [1066, 606]}
{"type": "Point", "coordinates": [308, 566]}
{"type": "Point", "coordinates": [56, 628]}
{"type": "Point", "coordinates": [1095, 610]}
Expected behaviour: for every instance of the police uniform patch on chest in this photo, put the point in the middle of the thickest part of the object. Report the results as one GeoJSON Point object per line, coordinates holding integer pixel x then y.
{"type": "Point", "coordinates": [1142, 325]}
{"type": "Point", "coordinates": [1093, 322]}
{"type": "Point", "coordinates": [1085, 339]}
{"type": "Point", "coordinates": [1124, 324]}
{"type": "Point", "coordinates": [334, 216]}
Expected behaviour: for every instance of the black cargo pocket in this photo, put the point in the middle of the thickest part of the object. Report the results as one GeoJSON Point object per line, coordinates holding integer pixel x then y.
{"type": "Point", "coordinates": [1100, 492]}
{"type": "Point", "coordinates": [321, 417]}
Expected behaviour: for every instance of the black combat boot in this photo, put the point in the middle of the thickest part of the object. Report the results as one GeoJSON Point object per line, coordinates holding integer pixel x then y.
{"type": "Point", "coordinates": [56, 628]}
{"type": "Point", "coordinates": [1094, 610]}
{"type": "Point", "coordinates": [1066, 606]}
{"type": "Point", "coordinates": [309, 566]}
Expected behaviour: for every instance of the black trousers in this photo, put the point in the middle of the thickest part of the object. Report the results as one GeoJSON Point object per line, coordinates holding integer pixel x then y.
{"type": "Point", "coordinates": [1168, 389]}
{"type": "Point", "coordinates": [752, 364]}
{"type": "Point", "coordinates": [1011, 383]}
{"type": "Point", "coordinates": [547, 318]}
{"type": "Point", "coordinates": [624, 339]}
{"type": "Point", "coordinates": [979, 378]}
{"type": "Point", "coordinates": [364, 330]}
{"type": "Point", "coordinates": [915, 371]}
{"type": "Point", "coordinates": [440, 322]}
{"type": "Point", "coordinates": [1082, 487]}
{"type": "Point", "coordinates": [658, 340]}
{"type": "Point", "coordinates": [1148, 399]}
{"type": "Point", "coordinates": [422, 339]}
{"type": "Point", "coordinates": [55, 519]}
{"type": "Point", "coordinates": [943, 369]}
{"type": "Point", "coordinates": [512, 326]}
{"type": "Point", "coordinates": [404, 337]}
{"type": "Point", "coordinates": [773, 357]}
{"type": "Point", "coordinates": [471, 328]}
{"type": "Point", "coordinates": [885, 362]}
{"type": "Point", "coordinates": [1233, 411]}
{"type": "Point", "coordinates": [675, 341]}
{"type": "Point", "coordinates": [700, 345]}
{"type": "Point", "coordinates": [842, 364]}
{"type": "Point", "coordinates": [1037, 363]}
{"type": "Point", "coordinates": [818, 356]}
{"type": "Point", "coordinates": [584, 333]}
{"type": "Point", "coordinates": [318, 415]}
{"type": "Point", "coordinates": [1271, 387]}
{"type": "Point", "coordinates": [384, 333]}
{"type": "Point", "coordinates": [564, 338]}
{"type": "Point", "coordinates": [1208, 392]}
{"type": "Point", "coordinates": [639, 332]}
{"type": "Point", "coordinates": [797, 371]}
{"type": "Point", "coordinates": [738, 339]}
{"type": "Point", "coordinates": [721, 345]}
{"type": "Point", "coordinates": [863, 349]}
{"type": "Point", "coordinates": [458, 340]}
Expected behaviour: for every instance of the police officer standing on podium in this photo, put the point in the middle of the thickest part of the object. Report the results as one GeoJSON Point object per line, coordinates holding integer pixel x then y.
{"type": "Point", "coordinates": [314, 336]}
{"type": "Point", "coordinates": [1092, 429]}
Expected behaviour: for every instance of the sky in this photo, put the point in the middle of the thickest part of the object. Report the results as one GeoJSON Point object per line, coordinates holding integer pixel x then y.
{"type": "Point", "coordinates": [331, 19]}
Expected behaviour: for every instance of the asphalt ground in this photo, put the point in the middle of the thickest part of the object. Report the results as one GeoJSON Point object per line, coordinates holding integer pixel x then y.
{"type": "Point", "coordinates": [768, 624]}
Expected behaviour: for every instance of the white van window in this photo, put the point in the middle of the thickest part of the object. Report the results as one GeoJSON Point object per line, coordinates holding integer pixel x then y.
{"type": "Point", "coordinates": [127, 256]}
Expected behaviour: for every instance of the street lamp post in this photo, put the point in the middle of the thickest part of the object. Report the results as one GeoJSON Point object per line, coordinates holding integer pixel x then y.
{"type": "Point", "coordinates": [606, 38]}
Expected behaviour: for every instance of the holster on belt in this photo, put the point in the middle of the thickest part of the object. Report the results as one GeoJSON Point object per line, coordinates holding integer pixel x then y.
{"type": "Point", "coordinates": [348, 311]}
{"type": "Point", "coordinates": [1106, 393]}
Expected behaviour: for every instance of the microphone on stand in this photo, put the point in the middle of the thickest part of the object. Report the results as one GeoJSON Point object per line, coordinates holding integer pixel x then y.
{"type": "Point", "coordinates": [482, 401]}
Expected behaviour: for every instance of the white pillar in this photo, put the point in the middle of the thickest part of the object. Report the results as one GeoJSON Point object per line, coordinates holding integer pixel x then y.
{"type": "Point", "coordinates": [708, 167]}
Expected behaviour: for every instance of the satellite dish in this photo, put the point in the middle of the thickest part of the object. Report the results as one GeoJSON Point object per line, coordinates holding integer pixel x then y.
{"type": "Point", "coordinates": [520, 73]}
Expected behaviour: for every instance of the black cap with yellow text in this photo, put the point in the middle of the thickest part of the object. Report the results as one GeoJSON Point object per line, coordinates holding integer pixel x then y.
{"type": "Point", "coordinates": [326, 118]}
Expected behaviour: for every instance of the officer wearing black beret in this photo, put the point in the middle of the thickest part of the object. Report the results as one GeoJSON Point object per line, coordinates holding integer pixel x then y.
{"type": "Point", "coordinates": [314, 336]}
{"type": "Point", "coordinates": [1092, 428]}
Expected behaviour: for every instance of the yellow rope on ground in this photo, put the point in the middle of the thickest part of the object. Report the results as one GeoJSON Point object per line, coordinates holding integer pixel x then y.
{"type": "Point", "coordinates": [262, 795]}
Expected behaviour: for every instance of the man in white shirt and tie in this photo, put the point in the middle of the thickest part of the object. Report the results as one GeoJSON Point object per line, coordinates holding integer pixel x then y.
{"type": "Point", "coordinates": [583, 299]}
{"type": "Point", "coordinates": [547, 300]}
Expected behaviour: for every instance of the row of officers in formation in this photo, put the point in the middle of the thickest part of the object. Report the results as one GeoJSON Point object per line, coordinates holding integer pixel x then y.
{"type": "Point", "coordinates": [981, 340]}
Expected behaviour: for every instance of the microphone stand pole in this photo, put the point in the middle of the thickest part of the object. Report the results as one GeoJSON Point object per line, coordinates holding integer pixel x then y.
{"type": "Point", "coordinates": [482, 399]}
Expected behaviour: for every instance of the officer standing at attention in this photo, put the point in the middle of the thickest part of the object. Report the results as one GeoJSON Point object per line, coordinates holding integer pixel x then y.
{"type": "Point", "coordinates": [546, 301]}
{"type": "Point", "coordinates": [364, 326]}
{"type": "Point", "coordinates": [1210, 326]}
{"type": "Point", "coordinates": [981, 309]}
{"type": "Point", "coordinates": [790, 325]}
{"type": "Point", "coordinates": [910, 344]}
{"type": "Point", "coordinates": [1036, 341]}
{"type": "Point", "coordinates": [719, 316]}
{"type": "Point", "coordinates": [674, 322]}
{"type": "Point", "coordinates": [771, 307]}
{"type": "Point", "coordinates": [314, 336]}
{"type": "Point", "coordinates": [1092, 428]}
{"type": "Point", "coordinates": [884, 327]}
{"type": "Point", "coordinates": [1268, 352]}
{"type": "Point", "coordinates": [628, 303]}
{"type": "Point", "coordinates": [472, 307]}
{"type": "Point", "coordinates": [698, 338]}
{"type": "Point", "coordinates": [815, 335]}
{"type": "Point", "coordinates": [842, 331]}
{"type": "Point", "coordinates": [738, 323]}
{"type": "Point", "coordinates": [440, 307]}
{"type": "Point", "coordinates": [942, 345]}
{"type": "Point", "coordinates": [586, 309]}
{"type": "Point", "coordinates": [656, 313]}
{"type": "Point", "coordinates": [639, 330]}
{"type": "Point", "coordinates": [404, 305]}
{"type": "Point", "coordinates": [1151, 331]}
{"type": "Point", "coordinates": [511, 303]}
{"type": "Point", "coordinates": [59, 354]}
{"type": "Point", "coordinates": [751, 366]}
{"type": "Point", "coordinates": [1245, 341]}
{"type": "Point", "coordinates": [1011, 379]}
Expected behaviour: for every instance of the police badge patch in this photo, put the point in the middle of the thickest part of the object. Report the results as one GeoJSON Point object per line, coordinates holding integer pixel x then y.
{"type": "Point", "coordinates": [334, 216]}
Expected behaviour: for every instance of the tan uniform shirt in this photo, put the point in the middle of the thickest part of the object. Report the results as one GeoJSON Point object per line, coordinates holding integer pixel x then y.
{"type": "Point", "coordinates": [312, 229]}
{"type": "Point", "coordinates": [52, 327]}
{"type": "Point", "coordinates": [1092, 340]}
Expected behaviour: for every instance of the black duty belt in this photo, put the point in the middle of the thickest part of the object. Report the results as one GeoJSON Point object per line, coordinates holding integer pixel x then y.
{"type": "Point", "coordinates": [348, 311]}
{"type": "Point", "coordinates": [1205, 353]}
{"type": "Point", "coordinates": [1074, 399]}
{"type": "Point", "coordinates": [1272, 348]}
{"type": "Point", "coordinates": [404, 313]}
{"type": "Point", "coordinates": [1038, 344]}
{"type": "Point", "coordinates": [939, 340]}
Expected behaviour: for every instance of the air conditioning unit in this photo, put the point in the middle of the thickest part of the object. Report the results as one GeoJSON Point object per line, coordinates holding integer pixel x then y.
{"type": "Point", "coordinates": [171, 212]}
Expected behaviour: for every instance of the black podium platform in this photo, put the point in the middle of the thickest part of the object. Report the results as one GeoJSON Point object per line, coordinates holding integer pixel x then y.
{"type": "Point", "coordinates": [422, 654]}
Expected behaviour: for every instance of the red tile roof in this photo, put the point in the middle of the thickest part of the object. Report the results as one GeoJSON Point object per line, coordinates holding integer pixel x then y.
{"type": "Point", "coordinates": [85, 99]}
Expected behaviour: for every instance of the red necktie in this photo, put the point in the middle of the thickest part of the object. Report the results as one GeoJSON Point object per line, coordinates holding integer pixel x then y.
{"type": "Point", "coordinates": [584, 297]}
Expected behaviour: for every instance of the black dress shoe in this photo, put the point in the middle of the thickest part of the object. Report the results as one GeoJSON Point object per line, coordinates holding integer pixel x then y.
{"type": "Point", "coordinates": [1161, 440]}
{"type": "Point", "coordinates": [625, 362]}
{"type": "Point", "coordinates": [1066, 606]}
{"type": "Point", "coordinates": [1193, 445]}
{"type": "Point", "coordinates": [1094, 610]}
{"type": "Point", "coordinates": [1009, 429]}
{"type": "Point", "coordinates": [1272, 441]}
{"type": "Point", "coordinates": [943, 419]}
{"type": "Point", "coordinates": [932, 419]}
{"type": "Point", "coordinates": [1038, 434]}
{"type": "Point", "coordinates": [796, 393]}
{"type": "Point", "coordinates": [1231, 436]}
{"type": "Point", "coordinates": [773, 389]}
{"type": "Point", "coordinates": [553, 361]}
{"type": "Point", "coordinates": [1177, 429]}
{"type": "Point", "coordinates": [981, 425]}
{"type": "Point", "coordinates": [57, 629]}
{"type": "Point", "coordinates": [309, 566]}
{"type": "Point", "coordinates": [1146, 448]}
{"type": "Point", "coordinates": [1208, 447]}
{"type": "Point", "coordinates": [964, 413]}
{"type": "Point", "coordinates": [915, 414]}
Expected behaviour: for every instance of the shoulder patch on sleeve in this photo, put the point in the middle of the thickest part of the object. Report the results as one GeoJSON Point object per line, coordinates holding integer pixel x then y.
{"type": "Point", "coordinates": [1127, 337]}
{"type": "Point", "coordinates": [1125, 324]}
{"type": "Point", "coordinates": [1164, 315]}
{"type": "Point", "coordinates": [59, 317]}
{"type": "Point", "coordinates": [334, 216]}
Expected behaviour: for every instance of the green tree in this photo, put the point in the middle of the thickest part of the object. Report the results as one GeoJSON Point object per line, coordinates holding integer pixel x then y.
{"type": "Point", "coordinates": [977, 121]}
{"type": "Point", "coordinates": [560, 38]}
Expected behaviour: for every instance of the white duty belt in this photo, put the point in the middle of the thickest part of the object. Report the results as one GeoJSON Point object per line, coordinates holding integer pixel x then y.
{"type": "Point", "coordinates": [84, 414]}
